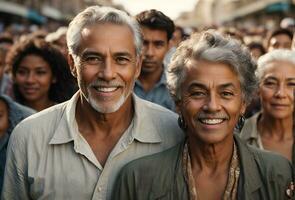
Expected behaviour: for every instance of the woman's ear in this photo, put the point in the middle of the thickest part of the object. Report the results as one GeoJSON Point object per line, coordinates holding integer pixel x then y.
{"type": "Point", "coordinates": [178, 107]}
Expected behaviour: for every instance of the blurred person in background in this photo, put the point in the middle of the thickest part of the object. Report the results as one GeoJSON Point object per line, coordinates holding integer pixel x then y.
{"type": "Point", "coordinates": [11, 113]}
{"type": "Point", "coordinates": [211, 79]}
{"type": "Point", "coordinates": [6, 41]}
{"type": "Point", "coordinates": [288, 23]}
{"type": "Point", "coordinates": [293, 42]}
{"type": "Point", "coordinates": [41, 74]}
{"type": "Point", "coordinates": [279, 39]}
{"type": "Point", "coordinates": [5, 79]}
{"type": "Point", "coordinates": [272, 128]}
{"type": "Point", "coordinates": [232, 32]}
{"type": "Point", "coordinates": [256, 50]}
{"type": "Point", "coordinates": [177, 37]}
{"type": "Point", "coordinates": [157, 31]}
{"type": "Point", "coordinates": [58, 38]}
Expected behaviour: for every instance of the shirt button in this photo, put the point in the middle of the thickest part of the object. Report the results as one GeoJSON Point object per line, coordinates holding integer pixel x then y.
{"type": "Point", "coordinates": [99, 189]}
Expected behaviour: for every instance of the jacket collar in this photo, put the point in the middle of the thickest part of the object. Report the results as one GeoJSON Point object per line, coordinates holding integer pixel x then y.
{"type": "Point", "coordinates": [250, 173]}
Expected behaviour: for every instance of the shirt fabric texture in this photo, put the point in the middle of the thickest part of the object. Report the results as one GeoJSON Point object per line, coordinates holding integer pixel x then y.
{"type": "Point", "coordinates": [49, 159]}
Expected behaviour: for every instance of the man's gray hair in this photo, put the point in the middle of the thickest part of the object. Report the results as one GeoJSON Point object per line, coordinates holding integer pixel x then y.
{"type": "Point", "coordinates": [213, 47]}
{"type": "Point", "coordinates": [99, 15]}
{"type": "Point", "coordinates": [273, 56]}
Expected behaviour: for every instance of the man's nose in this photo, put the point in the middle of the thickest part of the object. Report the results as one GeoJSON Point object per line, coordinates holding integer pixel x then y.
{"type": "Point", "coordinates": [107, 72]}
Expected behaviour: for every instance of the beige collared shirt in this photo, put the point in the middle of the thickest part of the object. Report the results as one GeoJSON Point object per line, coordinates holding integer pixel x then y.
{"type": "Point", "coordinates": [49, 159]}
{"type": "Point", "coordinates": [249, 132]}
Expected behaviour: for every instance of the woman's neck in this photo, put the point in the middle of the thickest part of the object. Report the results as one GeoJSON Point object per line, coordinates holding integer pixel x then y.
{"type": "Point", "coordinates": [39, 104]}
{"type": "Point", "coordinates": [269, 126]}
{"type": "Point", "coordinates": [213, 158]}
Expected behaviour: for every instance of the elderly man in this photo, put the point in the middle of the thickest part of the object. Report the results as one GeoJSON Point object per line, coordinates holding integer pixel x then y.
{"type": "Point", "coordinates": [75, 150]}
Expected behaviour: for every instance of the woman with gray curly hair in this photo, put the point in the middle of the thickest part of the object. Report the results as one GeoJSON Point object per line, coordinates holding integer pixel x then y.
{"type": "Point", "coordinates": [272, 128]}
{"type": "Point", "coordinates": [211, 79]}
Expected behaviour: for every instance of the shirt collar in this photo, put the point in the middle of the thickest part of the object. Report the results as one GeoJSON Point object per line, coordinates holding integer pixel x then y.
{"type": "Point", "coordinates": [162, 81]}
{"type": "Point", "coordinates": [67, 129]}
{"type": "Point", "coordinates": [251, 127]}
{"type": "Point", "coordinates": [143, 131]}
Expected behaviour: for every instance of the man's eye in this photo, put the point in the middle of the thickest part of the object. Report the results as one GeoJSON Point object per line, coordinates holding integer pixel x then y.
{"type": "Point", "coordinates": [93, 60]}
{"type": "Point", "coordinates": [122, 60]}
{"type": "Point", "coordinates": [291, 85]}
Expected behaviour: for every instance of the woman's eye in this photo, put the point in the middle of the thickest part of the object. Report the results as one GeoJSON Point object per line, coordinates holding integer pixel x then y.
{"type": "Point", "coordinates": [227, 94]}
{"type": "Point", "coordinates": [41, 72]}
{"type": "Point", "coordinates": [21, 72]}
{"type": "Point", "coordinates": [269, 83]}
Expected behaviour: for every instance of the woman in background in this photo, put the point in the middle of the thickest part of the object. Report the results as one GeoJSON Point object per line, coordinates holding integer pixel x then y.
{"type": "Point", "coordinates": [41, 74]}
{"type": "Point", "coordinates": [272, 128]}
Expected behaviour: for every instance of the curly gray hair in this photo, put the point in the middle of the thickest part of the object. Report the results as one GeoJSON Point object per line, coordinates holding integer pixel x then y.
{"type": "Point", "coordinates": [213, 47]}
{"type": "Point", "coordinates": [98, 15]}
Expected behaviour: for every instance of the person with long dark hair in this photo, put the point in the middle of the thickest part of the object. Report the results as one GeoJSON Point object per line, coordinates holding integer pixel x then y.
{"type": "Point", "coordinates": [41, 74]}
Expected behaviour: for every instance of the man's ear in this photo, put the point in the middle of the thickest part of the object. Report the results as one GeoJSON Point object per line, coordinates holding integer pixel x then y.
{"type": "Point", "coordinates": [138, 66]}
{"type": "Point", "coordinates": [72, 65]}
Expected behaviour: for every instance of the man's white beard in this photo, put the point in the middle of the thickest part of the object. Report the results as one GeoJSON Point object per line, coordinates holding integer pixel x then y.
{"type": "Point", "coordinates": [103, 108]}
{"type": "Point", "coordinates": [109, 109]}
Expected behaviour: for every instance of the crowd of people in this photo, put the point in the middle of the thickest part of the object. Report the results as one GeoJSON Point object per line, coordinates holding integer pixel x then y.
{"type": "Point", "coordinates": [115, 106]}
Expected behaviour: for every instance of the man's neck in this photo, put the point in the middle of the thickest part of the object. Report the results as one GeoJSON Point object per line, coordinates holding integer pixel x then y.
{"type": "Point", "coordinates": [149, 80]}
{"type": "Point", "coordinates": [103, 131]}
{"type": "Point", "coordinates": [103, 123]}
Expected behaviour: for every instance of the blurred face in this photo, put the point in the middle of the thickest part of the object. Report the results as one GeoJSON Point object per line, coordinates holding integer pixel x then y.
{"type": "Point", "coordinates": [155, 47]}
{"type": "Point", "coordinates": [4, 122]}
{"type": "Point", "coordinates": [211, 101]}
{"type": "Point", "coordinates": [276, 89]}
{"type": "Point", "coordinates": [33, 78]}
{"type": "Point", "coordinates": [176, 38]}
{"type": "Point", "coordinates": [61, 44]}
{"type": "Point", "coordinates": [2, 64]}
{"type": "Point", "coordinates": [108, 66]}
{"type": "Point", "coordinates": [280, 41]}
{"type": "Point", "coordinates": [256, 53]}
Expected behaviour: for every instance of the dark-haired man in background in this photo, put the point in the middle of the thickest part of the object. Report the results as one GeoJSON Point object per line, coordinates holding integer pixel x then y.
{"type": "Point", "coordinates": [157, 30]}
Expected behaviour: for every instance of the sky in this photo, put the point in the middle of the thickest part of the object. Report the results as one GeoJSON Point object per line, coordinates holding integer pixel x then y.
{"type": "Point", "coordinates": [171, 8]}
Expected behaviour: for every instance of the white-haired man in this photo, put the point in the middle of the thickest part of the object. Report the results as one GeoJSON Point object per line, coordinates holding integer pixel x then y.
{"type": "Point", "coordinates": [75, 150]}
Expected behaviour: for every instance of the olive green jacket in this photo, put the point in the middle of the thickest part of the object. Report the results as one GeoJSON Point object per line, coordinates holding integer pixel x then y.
{"type": "Point", "coordinates": [160, 176]}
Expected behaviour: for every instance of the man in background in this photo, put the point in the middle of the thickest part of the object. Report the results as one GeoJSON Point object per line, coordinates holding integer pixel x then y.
{"type": "Point", "coordinates": [157, 31]}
